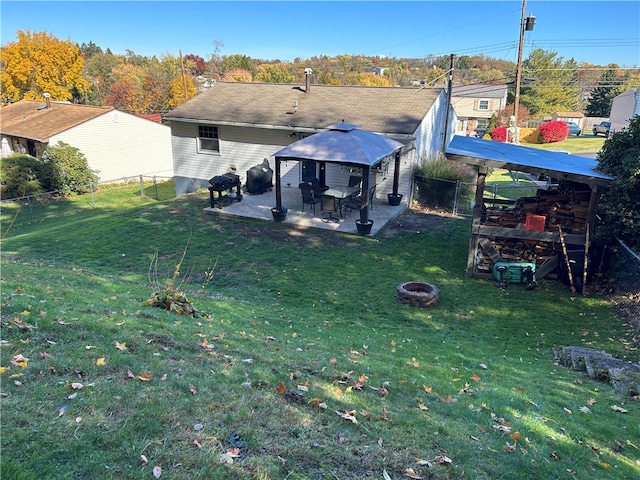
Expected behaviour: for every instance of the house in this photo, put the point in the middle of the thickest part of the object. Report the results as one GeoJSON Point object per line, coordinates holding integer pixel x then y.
{"type": "Point", "coordinates": [624, 107]}
{"type": "Point", "coordinates": [241, 124]}
{"type": "Point", "coordinates": [118, 145]}
{"type": "Point", "coordinates": [474, 105]}
{"type": "Point", "coordinates": [575, 117]}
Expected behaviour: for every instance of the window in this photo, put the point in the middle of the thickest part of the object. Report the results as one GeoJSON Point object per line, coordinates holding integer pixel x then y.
{"type": "Point", "coordinates": [208, 139]}
{"type": "Point", "coordinates": [481, 123]}
{"type": "Point", "coordinates": [483, 104]}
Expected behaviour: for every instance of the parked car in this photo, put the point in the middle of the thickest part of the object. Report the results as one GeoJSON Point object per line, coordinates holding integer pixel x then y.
{"type": "Point", "coordinates": [603, 127]}
{"type": "Point", "coordinates": [574, 129]}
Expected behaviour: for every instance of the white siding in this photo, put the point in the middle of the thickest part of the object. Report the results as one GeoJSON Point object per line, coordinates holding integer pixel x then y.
{"type": "Point", "coordinates": [120, 145]}
{"type": "Point", "coordinates": [239, 146]}
{"type": "Point", "coordinates": [429, 141]}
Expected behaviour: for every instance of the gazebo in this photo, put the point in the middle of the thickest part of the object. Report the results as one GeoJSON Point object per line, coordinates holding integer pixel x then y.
{"type": "Point", "coordinates": [345, 144]}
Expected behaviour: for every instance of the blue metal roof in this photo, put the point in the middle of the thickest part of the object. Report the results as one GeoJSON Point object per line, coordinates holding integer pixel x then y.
{"type": "Point", "coordinates": [477, 151]}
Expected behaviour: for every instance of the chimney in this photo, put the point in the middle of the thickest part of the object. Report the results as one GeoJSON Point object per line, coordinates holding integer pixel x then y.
{"type": "Point", "coordinates": [307, 79]}
{"type": "Point", "coordinates": [46, 97]}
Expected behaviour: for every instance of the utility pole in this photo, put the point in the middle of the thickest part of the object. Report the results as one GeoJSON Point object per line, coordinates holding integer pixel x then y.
{"type": "Point", "coordinates": [525, 24]}
{"type": "Point", "coordinates": [449, 89]}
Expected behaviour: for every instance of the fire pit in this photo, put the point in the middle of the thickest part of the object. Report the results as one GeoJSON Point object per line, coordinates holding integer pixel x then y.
{"type": "Point", "coordinates": [417, 294]}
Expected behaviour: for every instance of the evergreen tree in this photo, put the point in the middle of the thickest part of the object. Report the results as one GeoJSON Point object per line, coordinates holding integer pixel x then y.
{"type": "Point", "coordinates": [608, 87]}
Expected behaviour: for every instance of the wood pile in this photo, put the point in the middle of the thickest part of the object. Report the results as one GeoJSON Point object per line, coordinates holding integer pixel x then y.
{"type": "Point", "coordinates": [567, 207]}
{"type": "Point", "coordinates": [514, 251]}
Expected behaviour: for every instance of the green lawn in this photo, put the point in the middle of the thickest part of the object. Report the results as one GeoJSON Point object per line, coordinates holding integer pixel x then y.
{"type": "Point", "coordinates": [301, 363]}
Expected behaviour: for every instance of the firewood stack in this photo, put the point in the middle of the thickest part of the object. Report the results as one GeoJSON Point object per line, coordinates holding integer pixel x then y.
{"type": "Point", "coordinates": [567, 207]}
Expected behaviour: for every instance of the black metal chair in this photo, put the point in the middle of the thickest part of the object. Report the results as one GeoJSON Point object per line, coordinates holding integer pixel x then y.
{"type": "Point", "coordinates": [355, 181]}
{"type": "Point", "coordinates": [355, 203]}
{"type": "Point", "coordinates": [328, 207]}
{"type": "Point", "coordinates": [307, 197]}
{"type": "Point", "coordinates": [317, 189]}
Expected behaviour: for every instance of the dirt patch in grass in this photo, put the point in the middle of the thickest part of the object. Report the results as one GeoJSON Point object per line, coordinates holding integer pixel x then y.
{"type": "Point", "coordinates": [417, 219]}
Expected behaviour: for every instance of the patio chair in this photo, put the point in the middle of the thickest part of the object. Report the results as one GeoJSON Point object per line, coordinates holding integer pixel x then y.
{"type": "Point", "coordinates": [328, 207]}
{"type": "Point", "coordinates": [317, 189]}
{"type": "Point", "coordinates": [355, 181]}
{"type": "Point", "coordinates": [307, 197]}
{"type": "Point", "coordinates": [355, 203]}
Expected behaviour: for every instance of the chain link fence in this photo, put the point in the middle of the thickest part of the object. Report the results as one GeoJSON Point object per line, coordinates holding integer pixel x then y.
{"type": "Point", "coordinates": [40, 206]}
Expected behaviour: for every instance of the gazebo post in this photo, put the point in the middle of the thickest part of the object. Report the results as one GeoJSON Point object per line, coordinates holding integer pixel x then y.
{"type": "Point", "coordinates": [278, 186]}
{"type": "Point", "coordinates": [363, 224]}
{"type": "Point", "coordinates": [395, 198]}
{"type": "Point", "coordinates": [279, 213]}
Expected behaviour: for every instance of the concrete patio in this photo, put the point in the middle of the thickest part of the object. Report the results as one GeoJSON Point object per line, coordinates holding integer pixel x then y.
{"type": "Point", "coordinates": [258, 207]}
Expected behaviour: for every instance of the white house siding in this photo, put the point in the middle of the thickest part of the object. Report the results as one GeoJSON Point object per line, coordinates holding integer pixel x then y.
{"type": "Point", "coordinates": [623, 108]}
{"type": "Point", "coordinates": [120, 145]}
{"type": "Point", "coordinates": [242, 147]}
{"type": "Point", "coordinates": [429, 142]}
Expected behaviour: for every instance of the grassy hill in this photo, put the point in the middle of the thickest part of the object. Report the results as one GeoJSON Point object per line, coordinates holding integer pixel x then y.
{"type": "Point", "coordinates": [300, 363]}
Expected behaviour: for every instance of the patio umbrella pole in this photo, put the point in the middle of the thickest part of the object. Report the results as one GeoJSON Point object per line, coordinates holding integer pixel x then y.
{"type": "Point", "coordinates": [364, 209]}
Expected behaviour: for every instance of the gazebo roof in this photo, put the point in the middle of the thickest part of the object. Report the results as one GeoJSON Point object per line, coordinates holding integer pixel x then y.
{"type": "Point", "coordinates": [342, 143]}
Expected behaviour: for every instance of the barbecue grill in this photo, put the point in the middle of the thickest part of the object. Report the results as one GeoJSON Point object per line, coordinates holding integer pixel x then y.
{"type": "Point", "coordinates": [221, 184]}
{"type": "Point", "coordinates": [260, 178]}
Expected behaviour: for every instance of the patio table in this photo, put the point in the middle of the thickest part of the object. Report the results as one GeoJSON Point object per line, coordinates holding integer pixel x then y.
{"type": "Point", "coordinates": [341, 193]}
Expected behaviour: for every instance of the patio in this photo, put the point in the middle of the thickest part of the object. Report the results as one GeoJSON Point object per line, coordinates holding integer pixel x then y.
{"type": "Point", "coordinates": [258, 207]}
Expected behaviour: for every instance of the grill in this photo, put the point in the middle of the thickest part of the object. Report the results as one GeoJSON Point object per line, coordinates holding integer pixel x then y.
{"type": "Point", "coordinates": [260, 178]}
{"type": "Point", "coordinates": [221, 184]}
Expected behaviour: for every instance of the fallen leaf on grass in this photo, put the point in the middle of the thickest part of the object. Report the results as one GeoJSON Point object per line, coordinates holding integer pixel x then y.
{"type": "Point", "coordinates": [100, 362]}
{"type": "Point", "coordinates": [4, 369]}
{"type": "Point", "coordinates": [76, 385]}
{"type": "Point", "coordinates": [145, 377]}
{"type": "Point", "coordinates": [350, 416]}
{"type": "Point", "coordinates": [193, 389]}
{"type": "Point", "coordinates": [423, 462]}
{"type": "Point", "coordinates": [157, 471]}
{"type": "Point", "coordinates": [20, 361]}
{"type": "Point", "coordinates": [198, 426]}
{"type": "Point", "coordinates": [442, 460]}
{"type": "Point", "coordinates": [618, 409]}
{"type": "Point", "coordinates": [427, 388]}
{"type": "Point", "coordinates": [385, 475]}
{"type": "Point", "coordinates": [144, 459]}
{"type": "Point", "coordinates": [62, 410]}
{"type": "Point", "coordinates": [410, 472]}
{"type": "Point", "coordinates": [509, 448]}
{"type": "Point", "coordinates": [121, 346]}
{"type": "Point", "coordinates": [475, 378]}
{"type": "Point", "coordinates": [585, 410]}
{"type": "Point", "coordinates": [281, 388]}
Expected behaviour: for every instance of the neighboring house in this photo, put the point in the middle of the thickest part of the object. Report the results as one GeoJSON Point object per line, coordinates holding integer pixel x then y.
{"type": "Point", "coordinates": [624, 107]}
{"type": "Point", "coordinates": [117, 144]}
{"type": "Point", "coordinates": [241, 124]}
{"type": "Point", "coordinates": [575, 117]}
{"type": "Point", "coordinates": [474, 105]}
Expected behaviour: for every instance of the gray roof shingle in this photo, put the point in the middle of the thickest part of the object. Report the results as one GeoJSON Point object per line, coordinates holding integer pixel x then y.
{"type": "Point", "coordinates": [388, 110]}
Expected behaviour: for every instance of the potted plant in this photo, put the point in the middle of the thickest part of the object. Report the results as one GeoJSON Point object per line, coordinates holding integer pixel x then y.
{"type": "Point", "coordinates": [279, 214]}
{"type": "Point", "coordinates": [364, 227]}
{"type": "Point", "coordinates": [394, 199]}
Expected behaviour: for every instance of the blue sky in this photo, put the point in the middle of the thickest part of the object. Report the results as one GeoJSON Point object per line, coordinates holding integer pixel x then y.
{"type": "Point", "coordinates": [598, 32]}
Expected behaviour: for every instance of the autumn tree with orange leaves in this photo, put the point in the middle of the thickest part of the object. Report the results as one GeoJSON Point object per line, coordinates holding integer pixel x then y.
{"type": "Point", "coordinates": [39, 63]}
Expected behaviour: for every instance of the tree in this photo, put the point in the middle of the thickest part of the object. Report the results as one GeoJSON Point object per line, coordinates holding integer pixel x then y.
{"type": "Point", "coordinates": [620, 204]}
{"type": "Point", "coordinates": [39, 63]}
{"type": "Point", "coordinates": [274, 73]}
{"type": "Point", "coordinates": [65, 169]}
{"type": "Point", "coordinates": [503, 115]}
{"type": "Point", "coordinates": [552, 90]}
{"type": "Point", "coordinates": [19, 176]}
{"type": "Point", "coordinates": [177, 96]}
{"type": "Point", "coordinates": [237, 75]}
{"type": "Point", "coordinates": [237, 62]}
{"type": "Point", "coordinates": [195, 64]}
{"type": "Point", "coordinates": [98, 70]}
{"type": "Point", "coordinates": [602, 95]}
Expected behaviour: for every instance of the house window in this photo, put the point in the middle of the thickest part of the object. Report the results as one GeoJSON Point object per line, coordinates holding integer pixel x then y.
{"type": "Point", "coordinates": [481, 123]}
{"type": "Point", "coordinates": [483, 104]}
{"type": "Point", "coordinates": [208, 139]}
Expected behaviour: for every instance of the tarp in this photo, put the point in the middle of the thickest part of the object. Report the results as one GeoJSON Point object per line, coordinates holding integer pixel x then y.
{"type": "Point", "coordinates": [342, 143]}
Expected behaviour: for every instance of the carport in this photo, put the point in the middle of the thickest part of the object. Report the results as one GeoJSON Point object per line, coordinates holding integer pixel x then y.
{"type": "Point", "coordinates": [344, 144]}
